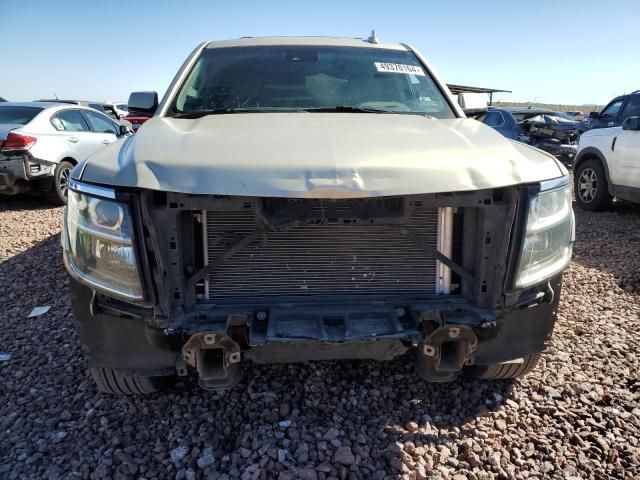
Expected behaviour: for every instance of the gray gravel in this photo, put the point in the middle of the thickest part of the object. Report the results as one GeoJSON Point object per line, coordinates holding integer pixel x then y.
{"type": "Point", "coordinates": [576, 416]}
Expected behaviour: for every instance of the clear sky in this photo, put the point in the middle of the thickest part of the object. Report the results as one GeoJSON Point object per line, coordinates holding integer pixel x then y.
{"type": "Point", "coordinates": [571, 51]}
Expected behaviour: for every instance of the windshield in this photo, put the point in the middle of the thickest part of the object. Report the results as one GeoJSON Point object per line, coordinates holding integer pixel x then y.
{"type": "Point", "coordinates": [564, 116]}
{"type": "Point", "coordinates": [14, 115]}
{"type": "Point", "coordinates": [295, 78]}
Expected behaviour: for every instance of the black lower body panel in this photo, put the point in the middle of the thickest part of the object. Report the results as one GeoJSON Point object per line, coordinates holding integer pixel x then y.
{"type": "Point", "coordinates": [378, 331]}
{"type": "Point", "coordinates": [523, 331]}
{"type": "Point", "coordinates": [120, 342]}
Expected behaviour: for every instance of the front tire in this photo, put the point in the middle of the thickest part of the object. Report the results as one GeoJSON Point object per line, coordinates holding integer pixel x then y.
{"type": "Point", "coordinates": [502, 371]}
{"type": "Point", "coordinates": [115, 382]}
{"type": "Point", "coordinates": [61, 175]}
{"type": "Point", "coordinates": [590, 185]}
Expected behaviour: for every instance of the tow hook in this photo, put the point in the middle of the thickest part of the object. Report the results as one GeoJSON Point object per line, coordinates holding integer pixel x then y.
{"type": "Point", "coordinates": [216, 357]}
{"type": "Point", "coordinates": [445, 351]}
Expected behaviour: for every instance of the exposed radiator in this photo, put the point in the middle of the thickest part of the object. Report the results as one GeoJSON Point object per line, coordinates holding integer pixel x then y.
{"type": "Point", "coordinates": [339, 258]}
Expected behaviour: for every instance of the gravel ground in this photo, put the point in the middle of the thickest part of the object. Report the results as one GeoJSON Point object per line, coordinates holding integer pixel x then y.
{"type": "Point", "coordinates": [576, 416]}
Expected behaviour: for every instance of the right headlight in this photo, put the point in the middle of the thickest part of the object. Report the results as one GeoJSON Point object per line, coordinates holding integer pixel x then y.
{"type": "Point", "coordinates": [548, 239]}
{"type": "Point", "coordinates": [98, 244]}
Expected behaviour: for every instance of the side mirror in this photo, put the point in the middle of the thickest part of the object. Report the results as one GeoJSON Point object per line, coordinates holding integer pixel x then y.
{"type": "Point", "coordinates": [631, 123]}
{"type": "Point", "coordinates": [594, 115]}
{"type": "Point", "coordinates": [124, 130]}
{"type": "Point", "coordinates": [143, 104]}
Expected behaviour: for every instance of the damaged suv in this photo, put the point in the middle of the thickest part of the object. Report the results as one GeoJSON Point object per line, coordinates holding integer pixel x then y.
{"type": "Point", "coordinates": [553, 132]}
{"type": "Point", "coordinates": [298, 199]}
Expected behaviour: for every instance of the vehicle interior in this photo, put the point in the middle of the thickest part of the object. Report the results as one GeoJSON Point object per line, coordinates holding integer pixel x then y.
{"type": "Point", "coordinates": [293, 78]}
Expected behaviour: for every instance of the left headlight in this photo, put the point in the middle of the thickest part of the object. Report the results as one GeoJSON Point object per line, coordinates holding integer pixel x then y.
{"type": "Point", "coordinates": [99, 245]}
{"type": "Point", "coordinates": [548, 239]}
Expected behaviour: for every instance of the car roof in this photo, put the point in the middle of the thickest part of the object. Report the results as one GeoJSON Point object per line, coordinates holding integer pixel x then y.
{"type": "Point", "coordinates": [28, 104]}
{"type": "Point", "coordinates": [312, 41]}
{"type": "Point", "coordinates": [527, 110]}
{"type": "Point", "coordinates": [509, 110]}
{"type": "Point", "coordinates": [75, 102]}
{"type": "Point", "coordinates": [623, 96]}
{"type": "Point", "coordinates": [53, 106]}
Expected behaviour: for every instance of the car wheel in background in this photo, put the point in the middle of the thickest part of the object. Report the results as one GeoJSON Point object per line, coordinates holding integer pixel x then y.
{"type": "Point", "coordinates": [590, 185]}
{"type": "Point", "coordinates": [58, 192]}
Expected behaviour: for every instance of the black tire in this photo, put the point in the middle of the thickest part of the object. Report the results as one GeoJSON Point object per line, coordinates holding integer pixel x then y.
{"type": "Point", "coordinates": [503, 371]}
{"type": "Point", "coordinates": [57, 194]}
{"type": "Point", "coordinates": [116, 382]}
{"type": "Point", "coordinates": [590, 186]}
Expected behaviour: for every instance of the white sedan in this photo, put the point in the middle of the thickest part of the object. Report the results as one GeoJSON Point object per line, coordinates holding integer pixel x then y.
{"type": "Point", "coordinates": [41, 142]}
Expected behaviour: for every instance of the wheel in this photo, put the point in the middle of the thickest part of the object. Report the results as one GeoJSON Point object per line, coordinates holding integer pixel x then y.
{"type": "Point", "coordinates": [116, 382]}
{"type": "Point", "coordinates": [590, 184]}
{"type": "Point", "coordinates": [58, 192]}
{"type": "Point", "coordinates": [502, 371]}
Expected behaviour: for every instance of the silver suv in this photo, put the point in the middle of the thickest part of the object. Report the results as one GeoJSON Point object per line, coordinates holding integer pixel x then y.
{"type": "Point", "coordinates": [298, 199]}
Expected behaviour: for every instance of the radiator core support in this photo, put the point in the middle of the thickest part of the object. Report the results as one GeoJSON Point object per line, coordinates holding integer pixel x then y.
{"type": "Point", "coordinates": [311, 248]}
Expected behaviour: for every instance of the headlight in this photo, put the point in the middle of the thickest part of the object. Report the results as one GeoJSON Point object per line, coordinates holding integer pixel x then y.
{"type": "Point", "coordinates": [548, 239]}
{"type": "Point", "coordinates": [98, 245]}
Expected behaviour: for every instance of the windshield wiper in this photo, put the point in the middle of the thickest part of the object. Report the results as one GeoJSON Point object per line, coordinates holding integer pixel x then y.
{"type": "Point", "coordinates": [216, 111]}
{"type": "Point", "coordinates": [338, 109]}
{"type": "Point", "coordinates": [345, 109]}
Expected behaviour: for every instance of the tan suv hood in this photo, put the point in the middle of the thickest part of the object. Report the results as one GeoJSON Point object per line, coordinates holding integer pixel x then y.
{"type": "Point", "coordinates": [317, 155]}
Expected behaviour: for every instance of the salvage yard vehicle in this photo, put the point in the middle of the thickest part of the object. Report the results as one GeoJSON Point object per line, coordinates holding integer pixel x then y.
{"type": "Point", "coordinates": [298, 199]}
{"type": "Point", "coordinates": [106, 108]}
{"type": "Point", "coordinates": [616, 112]}
{"type": "Point", "coordinates": [576, 115]}
{"type": "Point", "coordinates": [120, 108]}
{"type": "Point", "coordinates": [608, 166]}
{"type": "Point", "coordinates": [553, 132]}
{"type": "Point", "coordinates": [136, 121]}
{"type": "Point", "coordinates": [41, 142]}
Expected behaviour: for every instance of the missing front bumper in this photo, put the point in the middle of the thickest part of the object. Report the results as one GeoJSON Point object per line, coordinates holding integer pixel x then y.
{"type": "Point", "coordinates": [121, 339]}
{"type": "Point", "coordinates": [445, 338]}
